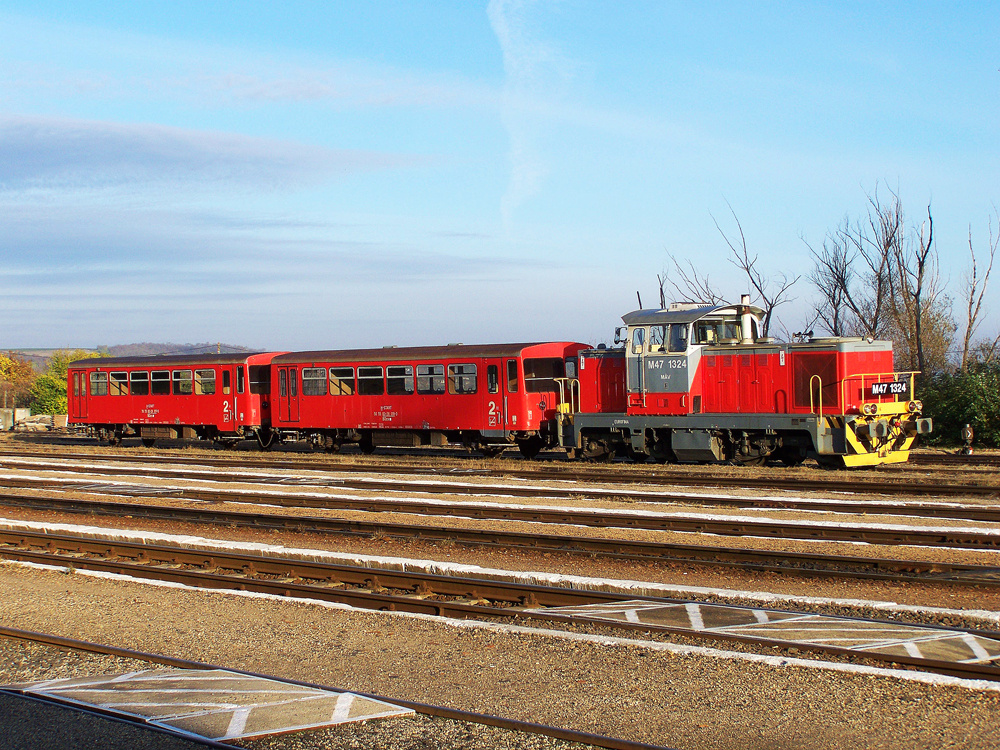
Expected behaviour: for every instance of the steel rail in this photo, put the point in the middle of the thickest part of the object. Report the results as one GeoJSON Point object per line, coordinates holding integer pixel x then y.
{"type": "Point", "coordinates": [841, 532]}
{"type": "Point", "coordinates": [443, 712]}
{"type": "Point", "coordinates": [795, 563]}
{"type": "Point", "coordinates": [768, 481]}
{"type": "Point", "coordinates": [161, 563]}
{"type": "Point", "coordinates": [630, 520]}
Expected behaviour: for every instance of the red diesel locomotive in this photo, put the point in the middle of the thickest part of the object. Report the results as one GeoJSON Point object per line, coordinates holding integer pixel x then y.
{"type": "Point", "coordinates": [691, 383]}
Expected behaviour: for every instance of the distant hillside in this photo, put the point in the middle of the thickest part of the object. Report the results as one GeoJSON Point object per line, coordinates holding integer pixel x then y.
{"type": "Point", "coordinates": [146, 349]}
{"type": "Point", "coordinates": [39, 358]}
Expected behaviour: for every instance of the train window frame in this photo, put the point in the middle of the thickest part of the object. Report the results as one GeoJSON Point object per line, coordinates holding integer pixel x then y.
{"type": "Point", "coordinates": [98, 384]}
{"type": "Point", "coordinates": [463, 379]}
{"type": "Point", "coordinates": [657, 339]}
{"type": "Point", "coordinates": [431, 379]}
{"type": "Point", "coordinates": [159, 383]}
{"type": "Point", "coordinates": [183, 382]}
{"type": "Point", "coordinates": [512, 376]}
{"type": "Point", "coordinates": [260, 386]}
{"type": "Point", "coordinates": [282, 383]}
{"type": "Point", "coordinates": [540, 374]}
{"type": "Point", "coordinates": [492, 379]}
{"type": "Point", "coordinates": [371, 381]}
{"type": "Point", "coordinates": [399, 380]}
{"type": "Point", "coordinates": [314, 381]}
{"type": "Point", "coordinates": [638, 345]}
{"type": "Point", "coordinates": [138, 383]}
{"type": "Point", "coordinates": [204, 382]}
{"type": "Point", "coordinates": [227, 382]}
{"type": "Point", "coordinates": [240, 379]}
{"type": "Point", "coordinates": [342, 381]}
{"type": "Point", "coordinates": [679, 335]}
{"type": "Point", "coordinates": [118, 384]}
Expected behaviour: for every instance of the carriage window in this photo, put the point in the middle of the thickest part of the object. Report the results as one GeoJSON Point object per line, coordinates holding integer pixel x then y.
{"type": "Point", "coordinates": [638, 339]}
{"type": "Point", "coordinates": [160, 383]}
{"type": "Point", "coordinates": [370, 381]}
{"type": "Point", "coordinates": [678, 337]}
{"type": "Point", "coordinates": [511, 376]}
{"type": "Point", "coordinates": [399, 379]}
{"type": "Point", "coordinates": [260, 380]}
{"type": "Point", "coordinates": [139, 383]}
{"type": "Point", "coordinates": [570, 368]}
{"type": "Point", "coordinates": [341, 381]}
{"type": "Point", "coordinates": [227, 382]}
{"type": "Point", "coordinates": [98, 384]}
{"type": "Point", "coordinates": [313, 381]}
{"type": "Point", "coordinates": [119, 384]}
{"type": "Point", "coordinates": [282, 383]}
{"type": "Point", "coordinates": [539, 374]}
{"type": "Point", "coordinates": [657, 335]}
{"type": "Point", "coordinates": [240, 379]}
{"type": "Point", "coordinates": [462, 379]}
{"type": "Point", "coordinates": [183, 385]}
{"type": "Point", "coordinates": [204, 382]}
{"type": "Point", "coordinates": [493, 379]}
{"type": "Point", "coordinates": [430, 378]}
{"type": "Point", "coordinates": [293, 382]}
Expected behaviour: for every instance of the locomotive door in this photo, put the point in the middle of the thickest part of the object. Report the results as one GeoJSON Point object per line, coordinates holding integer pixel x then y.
{"type": "Point", "coordinates": [288, 394]}
{"type": "Point", "coordinates": [78, 398]}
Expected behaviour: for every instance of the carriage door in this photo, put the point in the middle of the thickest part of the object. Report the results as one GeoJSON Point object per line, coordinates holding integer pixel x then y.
{"type": "Point", "coordinates": [511, 395]}
{"type": "Point", "coordinates": [288, 394]}
{"type": "Point", "coordinates": [78, 398]}
{"type": "Point", "coordinates": [496, 403]}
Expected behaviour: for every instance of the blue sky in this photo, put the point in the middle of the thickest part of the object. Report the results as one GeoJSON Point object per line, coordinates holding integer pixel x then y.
{"type": "Point", "coordinates": [323, 174]}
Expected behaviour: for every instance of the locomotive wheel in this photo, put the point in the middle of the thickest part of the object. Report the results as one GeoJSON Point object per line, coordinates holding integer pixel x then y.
{"type": "Point", "coordinates": [148, 442]}
{"type": "Point", "coordinates": [531, 446]}
{"type": "Point", "coordinates": [491, 451]}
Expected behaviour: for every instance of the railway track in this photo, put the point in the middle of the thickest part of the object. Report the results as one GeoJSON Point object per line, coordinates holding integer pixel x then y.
{"type": "Point", "coordinates": [483, 598]}
{"type": "Point", "coordinates": [443, 712]}
{"type": "Point", "coordinates": [606, 475]}
{"type": "Point", "coordinates": [628, 519]}
{"type": "Point", "coordinates": [791, 563]}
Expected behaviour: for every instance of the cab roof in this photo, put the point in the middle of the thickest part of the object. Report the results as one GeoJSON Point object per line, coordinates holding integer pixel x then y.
{"type": "Point", "coordinates": [683, 313]}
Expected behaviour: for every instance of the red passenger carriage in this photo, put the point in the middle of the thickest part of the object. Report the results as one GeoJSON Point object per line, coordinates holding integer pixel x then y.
{"type": "Point", "coordinates": [483, 396]}
{"type": "Point", "coordinates": [222, 397]}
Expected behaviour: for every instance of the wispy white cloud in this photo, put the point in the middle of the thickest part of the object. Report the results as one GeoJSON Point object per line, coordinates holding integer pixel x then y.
{"type": "Point", "coordinates": [531, 68]}
{"type": "Point", "coordinates": [56, 153]}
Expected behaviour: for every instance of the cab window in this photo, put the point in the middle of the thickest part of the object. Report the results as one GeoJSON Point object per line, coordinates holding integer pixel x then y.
{"type": "Point", "coordinates": [638, 340]}
{"type": "Point", "coordinates": [678, 337]}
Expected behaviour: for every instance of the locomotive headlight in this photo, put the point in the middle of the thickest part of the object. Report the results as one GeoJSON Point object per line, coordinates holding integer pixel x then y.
{"type": "Point", "coordinates": [869, 409]}
{"type": "Point", "coordinates": [920, 405]}
{"type": "Point", "coordinates": [912, 406]}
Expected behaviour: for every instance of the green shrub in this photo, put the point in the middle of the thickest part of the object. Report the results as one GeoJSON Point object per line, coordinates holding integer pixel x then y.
{"type": "Point", "coordinates": [972, 397]}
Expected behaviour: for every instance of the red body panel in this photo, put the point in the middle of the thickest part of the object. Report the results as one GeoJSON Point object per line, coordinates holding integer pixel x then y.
{"type": "Point", "coordinates": [113, 391]}
{"type": "Point", "coordinates": [496, 403]}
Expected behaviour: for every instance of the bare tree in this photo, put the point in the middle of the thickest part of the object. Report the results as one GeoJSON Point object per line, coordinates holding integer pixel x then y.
{"type": "Point", "coordinates": [690, 286]}
{"type": "Point", "coordinates": [975, 290]}
{"type": "Point", "coordinates": [773, 290]}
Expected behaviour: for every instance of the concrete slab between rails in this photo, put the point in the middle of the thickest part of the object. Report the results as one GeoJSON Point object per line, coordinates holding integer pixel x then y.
{"type": "Point", "coordinates": [214, 704]}
{"type": "Point", "coordinates": [892, 639]}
